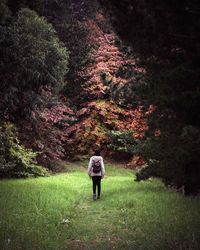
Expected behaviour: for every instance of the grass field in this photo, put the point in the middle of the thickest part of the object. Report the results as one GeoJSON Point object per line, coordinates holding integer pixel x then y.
{"type": "Point", "coordinates": [58, 212]}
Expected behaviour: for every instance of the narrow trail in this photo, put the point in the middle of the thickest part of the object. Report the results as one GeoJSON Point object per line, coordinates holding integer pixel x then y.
{"type": "Point", "coordinates": [131, 215]}
{"type": "Point", "coordinates": [100, 223]}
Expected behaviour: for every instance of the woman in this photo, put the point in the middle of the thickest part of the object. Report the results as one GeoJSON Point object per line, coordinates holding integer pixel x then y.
{"type": "Point", "coordinates": [96, 171]}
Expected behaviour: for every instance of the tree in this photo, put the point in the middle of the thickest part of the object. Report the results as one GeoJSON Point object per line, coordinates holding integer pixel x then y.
{"type": "Point", "coordinates": [31, 56]}
{"type": "Point", "coordinates": [165, 36]}
{"type": "Point", "coordinates": [15, 159]}
{"type": "Point", "coordinates": [35, 55]}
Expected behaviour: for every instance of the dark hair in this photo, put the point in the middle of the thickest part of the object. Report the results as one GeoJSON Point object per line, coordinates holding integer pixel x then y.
{"type": "Point", "coordinates": [97, 152]}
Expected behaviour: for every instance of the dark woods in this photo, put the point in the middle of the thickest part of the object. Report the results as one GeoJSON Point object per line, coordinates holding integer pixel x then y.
{"type": "Point", "coordinates": [62, 104]}
{"type": "Point", "coordinates": [166, 37]}
{"type": "Point", "coordinates": [32, 68]}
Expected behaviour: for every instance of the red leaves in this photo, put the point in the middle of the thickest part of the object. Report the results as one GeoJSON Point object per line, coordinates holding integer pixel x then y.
{"type": "Point", "coordinates": [94, 122]}
{"type": "Point", "coordinates": [83, 112]}
{"type": "Point", "coordinates": [106, 56]}
{"type": "Point", "coordinates": [47, 132]}
{"type": "Point", "coordinates": [98, 115]}
{"type": "Point", "coordinates": [58, 114]}
{"type": "Point", "coordinates": [60, 132]}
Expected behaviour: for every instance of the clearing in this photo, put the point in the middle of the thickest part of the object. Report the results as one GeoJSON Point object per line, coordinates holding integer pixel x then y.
{"type": "Point", "coordinates": [58, 212]}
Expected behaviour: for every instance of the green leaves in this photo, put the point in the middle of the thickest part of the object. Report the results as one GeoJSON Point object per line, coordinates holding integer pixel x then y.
{"type": "Point", "coordinates": [39, 54]}
{"type": "Point", "coordinates": [31, 56]}
{"type": "Point", "coordinates": [15, 159]}
{"type": "Point", "coordinates": [121, 141]}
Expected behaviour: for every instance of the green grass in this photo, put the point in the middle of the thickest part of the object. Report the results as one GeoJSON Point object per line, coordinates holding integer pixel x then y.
{"type": "Point", "coordinates": [129, 215]}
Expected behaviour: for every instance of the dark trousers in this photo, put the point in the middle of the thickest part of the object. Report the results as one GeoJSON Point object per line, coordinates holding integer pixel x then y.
{"type": "Point", "coordinates": [96, 184]}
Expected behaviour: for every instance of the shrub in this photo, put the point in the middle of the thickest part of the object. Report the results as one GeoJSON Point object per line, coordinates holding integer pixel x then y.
{"type": "Point", "coordinates": [174, 158]}
{"type": "Point", "coordinates": [122, 141]}
{"type": "Point", "coordinates": [15, 159]}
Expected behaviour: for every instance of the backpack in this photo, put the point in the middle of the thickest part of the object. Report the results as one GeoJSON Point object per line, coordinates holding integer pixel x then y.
{"type": "Point", "coordinates": [96, 166]}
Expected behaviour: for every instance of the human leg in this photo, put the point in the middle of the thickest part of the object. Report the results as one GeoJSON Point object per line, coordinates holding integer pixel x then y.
{"type": "Point", "coordinates": [99, 185]}
{"type": "Point", "coordinates": [94, 182]}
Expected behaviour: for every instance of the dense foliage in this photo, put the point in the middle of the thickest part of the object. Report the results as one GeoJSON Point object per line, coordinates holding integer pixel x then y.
{"type": "Point", "coordinates": [15, 159]}
{"type": "Point", "coordinates": [148, 70]}
{"type": "Point", "coordinates": [165, 35]}
{"type": "Point", "coordinates": [31, 56]}
{"type": "Point", "coordinates": [33, 65]}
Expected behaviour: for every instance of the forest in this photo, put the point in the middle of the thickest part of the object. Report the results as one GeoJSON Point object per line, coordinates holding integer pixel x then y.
{"type": "Point", "coordinates": [119, 77]}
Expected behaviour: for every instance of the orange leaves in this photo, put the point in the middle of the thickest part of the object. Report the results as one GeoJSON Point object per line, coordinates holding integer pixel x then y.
{"type": "Point", "coordinates": [88, 134]}
{"type": "Point", "coordinates": [88, 123]}
{"type": "Point", "coordinates": [96, 119]}
{"type": "Point", "coordinates": [108, 65]}
{"type": "Point", "coordinates": [136, 161]}
{"type": "Point", "coordinates": [110, 114]}
{"type": "Point", "coordinates": [136, 122]}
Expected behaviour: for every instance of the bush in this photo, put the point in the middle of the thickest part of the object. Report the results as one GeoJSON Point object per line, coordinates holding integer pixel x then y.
{"type": "Point", "coordinates": [15, 159]}
{"type": "Point", "coordinates": [122, 141]}
{"type": "Point", "coordinates": [174, 158]}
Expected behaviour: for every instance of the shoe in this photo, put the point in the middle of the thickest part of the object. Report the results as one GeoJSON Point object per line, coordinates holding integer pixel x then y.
{"type": "Point", "coordinates": [98, 197]}
{"type": "Point", "coordinates": [94, 197]}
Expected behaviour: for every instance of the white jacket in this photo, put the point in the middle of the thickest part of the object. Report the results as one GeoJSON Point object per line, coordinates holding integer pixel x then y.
{"type": "Point", "coordinates": [90, 172]}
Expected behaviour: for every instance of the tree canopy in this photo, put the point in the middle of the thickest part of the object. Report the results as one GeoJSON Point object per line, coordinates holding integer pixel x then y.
{"type": "Point", "coordinates": [122, 76]}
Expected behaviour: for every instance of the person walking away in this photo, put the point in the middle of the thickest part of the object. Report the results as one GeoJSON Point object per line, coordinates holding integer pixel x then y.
{"type": "Point", "coordinates": [96, 171]}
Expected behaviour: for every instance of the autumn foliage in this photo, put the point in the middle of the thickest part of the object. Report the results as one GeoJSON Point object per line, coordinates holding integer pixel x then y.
{"type": "Point", "coordinates": [71, 117]}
